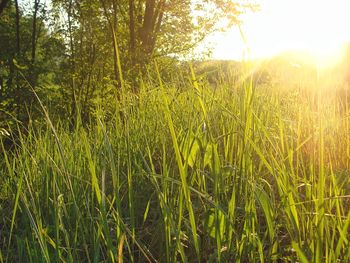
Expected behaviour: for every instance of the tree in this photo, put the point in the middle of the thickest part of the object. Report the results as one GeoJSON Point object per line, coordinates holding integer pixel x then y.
{"type": "Point", "coordinates": [18, 62]}
{"type": "Point", "coordinates": [18, 28]}
{"type": "Point", "coordinates": [97, 47]}
{"type": "Point", "coordinates": [3, 4]}
{"type": "Point", "coordinates": [34, 29]}
{"type": "Point", "coordinates": [157, 28]}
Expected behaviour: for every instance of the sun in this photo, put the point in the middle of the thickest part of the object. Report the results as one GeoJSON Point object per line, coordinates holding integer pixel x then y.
{"type": "Point", "coordinates": [319, 27]}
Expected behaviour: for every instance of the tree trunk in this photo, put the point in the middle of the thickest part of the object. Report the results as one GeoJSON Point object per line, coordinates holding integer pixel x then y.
{"type": "Point", "coordinates": [151, 26]}
{"type": "Point", "coordinates": [147, 28]}
{"type": "Point", "coordinates": [3, 4]}
{"type": "Point", "coordinates": [17, 29]}
{"type": "Point", "coordinates": [157, 22]}
{"type": "Point", "coordinates": [36, 7]}
{"type": "Point", "coordinates": [33, 75]}
{"type": "Point", "coordinates": [18, 42]}
{"type": "Point", "coordinates": [132, 32]}
{"type": "Point", "coordinates": [72, 64]}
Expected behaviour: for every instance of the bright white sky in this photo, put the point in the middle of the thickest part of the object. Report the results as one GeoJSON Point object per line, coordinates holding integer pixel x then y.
{"type": "Point", "coordinates": [317, 26]}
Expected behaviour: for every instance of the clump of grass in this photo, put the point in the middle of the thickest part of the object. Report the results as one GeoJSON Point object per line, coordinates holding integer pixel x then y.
{"type": "Point", "coordinates": [235, 173]}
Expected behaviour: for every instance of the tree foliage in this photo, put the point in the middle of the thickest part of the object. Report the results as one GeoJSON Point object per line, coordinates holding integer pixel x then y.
{"type": "Point", "coordinates": [74, 52]}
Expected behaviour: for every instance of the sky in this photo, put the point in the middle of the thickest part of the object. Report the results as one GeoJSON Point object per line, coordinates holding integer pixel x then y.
{"type": "Point", "coordinates": [320, 27]}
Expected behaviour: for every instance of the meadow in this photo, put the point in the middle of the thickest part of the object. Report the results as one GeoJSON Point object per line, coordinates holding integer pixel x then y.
{"type": "Point", "coordinates": [183, 171]}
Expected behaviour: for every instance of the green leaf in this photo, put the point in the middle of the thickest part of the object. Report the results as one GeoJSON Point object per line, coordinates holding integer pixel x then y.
{"type": "Point", "coordinates": [210, 224]}
{"type": "Point", "coordinates": [190, 148]}
{"type": "Point", "coordinates": [300, 253]}
{"type": "Point", "coordinates": [146, 211]}
{"type": "Point", "coordinates": [265, 203]}
{"type": "Point", "coordinates": [208, 155]}
{"type": "Point", "coordinates": [15, 62]}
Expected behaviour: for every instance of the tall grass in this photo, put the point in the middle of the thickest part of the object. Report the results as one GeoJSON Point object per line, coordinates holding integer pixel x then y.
{"type": "Point", "coordinates": [192, 173]}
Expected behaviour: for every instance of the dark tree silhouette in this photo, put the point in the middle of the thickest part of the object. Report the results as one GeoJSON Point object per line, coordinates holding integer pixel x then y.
{"type": "Point", "coordinates": [3, 4]}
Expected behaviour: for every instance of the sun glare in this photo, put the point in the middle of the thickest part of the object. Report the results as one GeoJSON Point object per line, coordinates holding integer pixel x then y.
{"type": "Point", "coordinates": [319, 27]}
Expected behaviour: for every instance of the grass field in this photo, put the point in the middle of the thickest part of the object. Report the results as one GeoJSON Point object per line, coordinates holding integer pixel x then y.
{"type": "Point", "coordinates": [183, 172]}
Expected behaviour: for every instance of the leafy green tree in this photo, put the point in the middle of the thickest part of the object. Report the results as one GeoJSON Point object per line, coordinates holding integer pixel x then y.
{"type": "Point", "coordinates": [85, 49]}
{"type": "Point", "coordinates": [23, 66]}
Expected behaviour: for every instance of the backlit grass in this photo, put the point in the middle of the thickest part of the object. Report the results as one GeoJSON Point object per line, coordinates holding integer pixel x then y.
{"type": "Point", "coordinates": [191, 172]}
